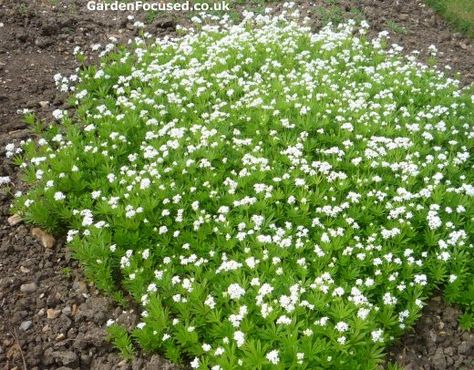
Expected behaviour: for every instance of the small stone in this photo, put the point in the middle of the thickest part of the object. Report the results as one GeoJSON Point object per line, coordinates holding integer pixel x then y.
{"type": "Point", "coordinates": [137, 363]}
{"type": "Point", "coordinates": [449, 362]}
{"type": "Point", "coordinates": [439, 360]}
{"type": "Point", "coordinates": [28, 288]}
{"type": "Point", "coordinates": [43, 42]}
{"type": "Point", "coordinates": [464, 348]}
{"type": "Point", "coordinates": [80, 286]}
{"type": "Point", "coordinates": [24, 270]}
{"type": "Point", "coordinates": [74, 310]}
{"type": "Point", "coordinates": [25, 325]}
{"type": "Point", "coordinates": [14, 220]}
{"type": "Point", "coordinates": [467, 336]}
{"type": "Point", "coordinates": [67, 310]}
{"type": "Point", "coordinates": [46, 239]}
{"type": "Point", "coordinates": [52, 314]}
{"type": "Point", "coordinates": [65, 357]}
{"type": "Point", "coordinates": [60, 337]}
{"type": "Point", "coordinates": [43, 103]}
{"type": "Point", "coordinates": [449, 351]}
{"type": "Point", "coordinates": [433, 336]}
{"type": "Point", "coordinates": [85, 359]}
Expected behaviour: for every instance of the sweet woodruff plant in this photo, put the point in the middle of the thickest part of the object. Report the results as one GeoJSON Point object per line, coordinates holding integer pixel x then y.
{"type": "Point", "coordinates": [271, 198]}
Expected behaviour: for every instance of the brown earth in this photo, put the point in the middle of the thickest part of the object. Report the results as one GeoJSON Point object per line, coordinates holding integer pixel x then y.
{"type": "Point", "coordinates": [50, 318]}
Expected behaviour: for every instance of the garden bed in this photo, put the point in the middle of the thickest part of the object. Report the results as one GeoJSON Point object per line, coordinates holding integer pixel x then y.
{"type": "Point", "coordinates": [26, 261]}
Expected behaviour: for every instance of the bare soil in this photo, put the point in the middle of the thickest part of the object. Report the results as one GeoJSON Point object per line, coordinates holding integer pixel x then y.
{"type": "Point", "coordinates": [50, 317]}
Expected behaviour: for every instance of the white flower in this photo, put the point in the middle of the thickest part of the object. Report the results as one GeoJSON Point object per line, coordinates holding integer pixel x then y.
{"type": "Point", "coordinates": [389, 299]}
{"type": "Point", "coordinates": [141, 325]}
{"type": "Point", "coordinates": [145, 183]}
{"type": "Point", "coordinates": [420, 279]}
{"type": "Point", "coordinates": [239, 338]}
{"type": "Point", "coordinates": [195, 363]}
{"type": "Point", "coordinates": [377, 335]}
{"type": "Point", "coordinates": [206, 347]}
{"type": "Point", "coordinates": [59, 196]}
{"type": "Point", "coordinates": [273, 357]}
{"type": "Point", "coordinates": [4, 180]}
{"type": "Point", "coordinates": [341, 340]}
{"type": "Point", "coordinates": [58, 114]}
{"type": "Point", "coordinates": [362, 313]}
{"type": "Point", "coordinates": [235, 291]}
{"type": "Point", "coordinates": [283, 320]}
{"type": "Point", "coordinates": [210, 302]}
{"type": "Point", "coordinates": [341, 326]}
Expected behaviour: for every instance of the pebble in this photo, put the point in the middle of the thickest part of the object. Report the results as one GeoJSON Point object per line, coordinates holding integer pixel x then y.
{"type": "Point", "coordinates": [67, 310]}
{"type": "Point", "coordinates": [52, 314]}
{"type": "Point", "coordinates": [449, 351]}
{"type": "Point", "coordinates": [29, 288]}
{"type": "Point", "coordinates": [433, 336]}
{"type": "Point", "coordinates": [60, 336]}
{"type": "Point", "coordinates": [439, 360]}
{"type": "Point", "coordinates": [43, 42]}
{"type": "Point", "coordinates": [25, 270]}
{"type": "Point", "coordinates": [25, 325]}
{"type": "Point", "coordinates": [46, 239]}
{"type": "Point", "coordinates": [14, 220]}
{"type": "Point", "coordinates": [43, 103]}
{"type": "Point", "coordinates": [80, 286]}
{"type": "Point", "coordinates": [464, 348]}
{"type": "Point", "coordinates": [65, 357]}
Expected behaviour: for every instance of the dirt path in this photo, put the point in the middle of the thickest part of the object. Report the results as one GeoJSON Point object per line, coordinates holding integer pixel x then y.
{"type": "Point", "coordinates": [50, 318]}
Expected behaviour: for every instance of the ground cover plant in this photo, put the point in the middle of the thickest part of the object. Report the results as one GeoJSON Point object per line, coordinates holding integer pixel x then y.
{"type": "Point", "coordinates": [271, 198]}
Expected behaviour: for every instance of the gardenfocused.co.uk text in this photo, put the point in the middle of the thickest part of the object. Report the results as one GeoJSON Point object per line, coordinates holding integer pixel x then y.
{"type": "Point", "coordinates": [156, 6]}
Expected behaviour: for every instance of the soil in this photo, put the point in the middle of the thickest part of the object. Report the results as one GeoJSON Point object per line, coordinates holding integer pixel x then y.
{"type": "Point", "coordinates": [50, 317]}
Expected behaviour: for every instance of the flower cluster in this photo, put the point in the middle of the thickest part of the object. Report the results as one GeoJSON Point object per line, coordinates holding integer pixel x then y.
{"type": "Point", "coordinates": [270, 197]}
